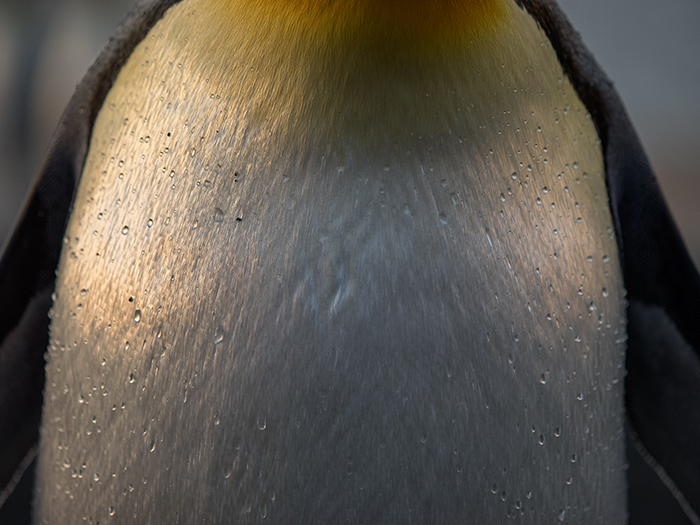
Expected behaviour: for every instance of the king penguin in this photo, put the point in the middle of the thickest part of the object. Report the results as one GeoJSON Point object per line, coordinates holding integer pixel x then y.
{"type": "Point", "coordinates": [346, 261]}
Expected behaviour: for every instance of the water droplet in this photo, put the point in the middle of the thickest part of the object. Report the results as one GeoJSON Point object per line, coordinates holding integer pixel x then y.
{"type": "Point", "coordinates": [592, 307]}
{"type": "Point", "coordinates": [218, 215]}
{"type": "Point", "coordinates": [580, 396]}
{"type": "Point", "coordinates": [514, 176]}
{"type": "Point", "coordinates": [424, 438]}
{"type": "Point", "coordinates": [494, 489]}
{"type": "Point", "coordinates": [217, 421]}
{"type": "Point", "coordinates": [219, 335]}
{"type": "Point", "coordinates": [443, 218]}
{"type": "Point", "coordinates": [111, 511]}
{"type": "Point", "coordinates": [544, 377]}
{"type": "Point", "coordinates": [557, 432]}
{"type": "Point", "coordinates": [504, 495]}
{"type": "Point", "coordinates": [96, 477]}
{"type": "Point", "coordinates": [152, 446]}
{"type": "Point", "coordinates": [172, 174]}
{"type": "Point", "coordinates": [193, 152]}
{"type": "Point", "coordinates": [574, 458]}
{"type": "Point", "coordinates": [605, 292]}
{"type": "Point", "coordinates": [195, 224]}
{"type": "Point", "coordinates": [570, 480]}
{"type": "Point", "coordinates": [132, 379]}
{"type": "Point", "coordinates": [541, 440]}
{"type": "Point", "coordinates": [149, 223]}
{"type": "Point", "coordinates": [562, 515]}
{"type": "Point", "coordinates": [262, 423]}
{"type": "Point", "coordinates": [137, 316]}
{"type": "Point", "coordinates": [125, 230]}
{"type": "Point", "coordinates": [606, 259]}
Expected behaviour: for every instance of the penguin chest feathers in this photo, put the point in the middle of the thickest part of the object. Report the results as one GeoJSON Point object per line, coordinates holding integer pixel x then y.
{"type": "Point", "coordinates": [326, 252]}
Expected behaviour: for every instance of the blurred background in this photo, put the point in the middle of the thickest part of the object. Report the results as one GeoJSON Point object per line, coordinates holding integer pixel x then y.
{"type": "Point", "coordinates": [46, 47]}
{"type": "Point", "coordinates": [650, 48]}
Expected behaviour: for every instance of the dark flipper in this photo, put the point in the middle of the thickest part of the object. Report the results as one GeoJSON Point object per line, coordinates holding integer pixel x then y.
{"type": "Point", "coordinates": [17, 509]}
{"type": "Point", "coordinates": [31, 255]}
{"type": "Point", "coordinates": [650, 502]}
{"type": "Point", "coordinates": [663, 357]}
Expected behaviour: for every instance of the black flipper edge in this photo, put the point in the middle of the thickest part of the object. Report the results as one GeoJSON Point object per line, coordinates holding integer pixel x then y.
{"type": "Point", "coordinates": [666, 480]}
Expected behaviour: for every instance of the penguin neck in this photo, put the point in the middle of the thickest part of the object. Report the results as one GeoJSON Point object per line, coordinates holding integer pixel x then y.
{"type": "Point", "coordinates": [358, 75]}
{"type": "Point", "coordinates": [391, 21]}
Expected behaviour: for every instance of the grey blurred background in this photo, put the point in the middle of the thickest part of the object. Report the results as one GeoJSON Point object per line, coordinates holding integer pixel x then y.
{"type": "Point", "coordinates": [46, 47]}
{"type": "Point", "coordinates": [650, 48]}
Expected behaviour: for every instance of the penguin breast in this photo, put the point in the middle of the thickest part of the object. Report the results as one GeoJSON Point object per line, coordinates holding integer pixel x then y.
{"type": "Point", "coordinates": [310, 278]}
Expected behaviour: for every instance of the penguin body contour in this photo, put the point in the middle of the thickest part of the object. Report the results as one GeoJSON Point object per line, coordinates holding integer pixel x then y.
{"type": "Point", "coordinates": [318, 270]}
{"type": "Point", "coordinates": [357, 306]}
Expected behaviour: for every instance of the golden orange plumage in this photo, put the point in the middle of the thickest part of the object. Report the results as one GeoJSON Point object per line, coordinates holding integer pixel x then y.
{"type": "Point", "coordinates": [410, 26]}
{"type": "Point", "coordinates": [403, 19]}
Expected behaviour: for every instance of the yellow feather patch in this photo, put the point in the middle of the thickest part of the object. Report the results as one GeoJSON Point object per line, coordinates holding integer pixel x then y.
{"type": "Point", "coordinates": [410, 18]}
{"type": "Point", "coordinates": [371, 76]}
{"type": "Point", "coordinates": [412, 23]}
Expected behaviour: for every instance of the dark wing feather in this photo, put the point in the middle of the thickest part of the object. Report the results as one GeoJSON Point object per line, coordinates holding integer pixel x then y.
{"type": "Point", "coordinates": [663, 285]}
{"type": "Point", "coordinates": [30, 257]}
